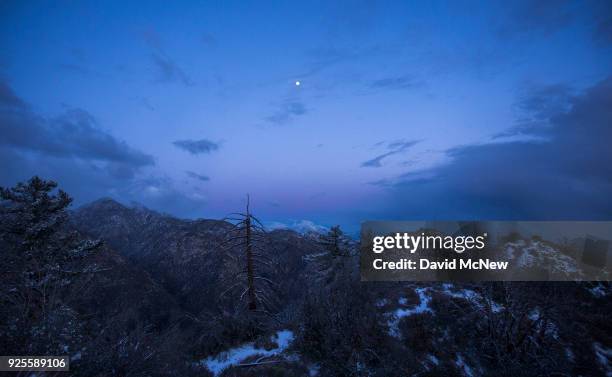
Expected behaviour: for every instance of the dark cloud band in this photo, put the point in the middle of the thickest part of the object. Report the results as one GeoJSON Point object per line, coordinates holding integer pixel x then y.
{"type": "Point", "coordinates": [202, 146]}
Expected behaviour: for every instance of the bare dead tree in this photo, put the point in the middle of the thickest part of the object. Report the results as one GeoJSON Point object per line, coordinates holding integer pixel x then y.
{"type": "Point", "coordinates": [246, 246]}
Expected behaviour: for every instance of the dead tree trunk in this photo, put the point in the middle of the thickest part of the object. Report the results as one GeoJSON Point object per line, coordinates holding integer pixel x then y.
{"type": "Point", "coordinates": [249, 256]}
{"type": "Point", "coordinates": [247, 238]}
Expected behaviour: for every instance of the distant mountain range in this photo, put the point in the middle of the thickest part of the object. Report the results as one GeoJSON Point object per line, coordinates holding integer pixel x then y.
{"type": "Point", "coordinates": [185, 257]}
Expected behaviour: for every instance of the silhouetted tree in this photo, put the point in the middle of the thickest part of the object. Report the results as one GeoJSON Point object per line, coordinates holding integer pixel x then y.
{"type": "Point", "coordinates": [41, 259]}
{"type": "Point", "coordinates": [245, 245]}
{"type": "Point", "coordinates": [332, 241]}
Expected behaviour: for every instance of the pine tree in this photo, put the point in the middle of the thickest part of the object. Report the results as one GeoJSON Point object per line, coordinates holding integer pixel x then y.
{"type": "Point", "coordinates": [333, 241]}
{"type": "Point", "coordinates": [31, 214]}
{"type": "Point", "coordinates": [32, 227]}
{"type": "Point", "coordinates": [41, 259]}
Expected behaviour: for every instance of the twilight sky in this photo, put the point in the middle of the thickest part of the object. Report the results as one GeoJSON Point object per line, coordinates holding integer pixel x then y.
{"type": "Point", "coordinates": [405, 110]}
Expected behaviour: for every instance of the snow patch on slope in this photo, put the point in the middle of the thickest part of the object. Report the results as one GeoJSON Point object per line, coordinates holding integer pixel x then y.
{"type": "Point", "coordinates": [604, 355]}
{"type": "Point", "coordinates": [400, 313]}
{"type": "Point", "coordinates": [599, 291]}
{"type": "Point", "coordinates": [536, 253]}
{"type": "Point", "coordinates": [235, 356]}
{"type": "Point", "coordinates": [301, 226]}
{"type": "Point", "coordinates": [472, 296]}
{"type": "Point", "coordinates": [463, 366]}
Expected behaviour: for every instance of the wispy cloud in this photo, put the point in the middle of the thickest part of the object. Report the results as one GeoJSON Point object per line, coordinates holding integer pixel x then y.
{"type": "Point", "coordinates": [602, 32]}
{"type": "Point", "coordinates": [381, 183]}
{"type": "Point", "coordinates": [197, 176]}
{"type": "Point", "coordinates": [376, 162]}
{"type": "Point", "coordinates": [208, 40]}
{"type": "Point", "coordinates": [322, 58]}
{"type": "Point", "coordinates": [202, 146]}
{"type": "Point", "coordinates": [144, 101]}
{"type": "Point", "coordinates": [286, 111]}
{"type": "Point", "coordinates": [394, 83]}
{"type": "Point", "coordinates": [167, 68]}
{"type": "Point", "coordinates": [74, 68]}
{"type": "Point", "coordinates": [395, 148]}
{"type": "Point", "coordinates": [528, 17]}
{"type": "Point", "coordinates": [8, 98]}
{"type": "Point", "coordinates": [169, 71]}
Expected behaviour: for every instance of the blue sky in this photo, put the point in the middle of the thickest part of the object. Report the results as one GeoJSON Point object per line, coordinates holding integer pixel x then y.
{"type": "Point", "coordinates": [405, 110]}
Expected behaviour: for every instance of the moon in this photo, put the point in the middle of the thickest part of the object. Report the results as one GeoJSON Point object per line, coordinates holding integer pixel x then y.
{"type": "Point", "coordinates": [298, 83]}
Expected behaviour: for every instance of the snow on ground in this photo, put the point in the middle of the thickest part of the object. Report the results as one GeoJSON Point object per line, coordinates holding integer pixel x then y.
{"type": "Point", "coordinates": [433, 359]}
{"type": "Point", "coordinates": [235, 356]}
{"type": "Point", "coordinates": [400, 313]}
{"type": "Point", "coordinates": [495, 307]}
{"type": "Point", "coordinates": [604, 355]}
{"type": "Point", "coordinates": [472, 296]}
{"type": "Point", "coordinates": [551, 329]}
{"type": "Point", "coordinates": [463, 366]}
{"type": "Point", "coordinates": [599, 291]}
{"type": "Point", "coordinates": [535, 253]}
{"type": "Point", "coordinates": [512, 246]}
{"type": "Point", "coordinates": [535, 314]}
{"type": "Point", "coordinates": [570, 354]}
{"type": "Point", "coordinates": [76, 357]}
{"type": "Point", "coordinates": [313, 370]}
{"type": "Point", "coordinates": [467, 294]}
{"type": "Point", "coordinates": [424, 294]}
{"type": "Point", "coordinates": [424, 300]}
{"type": "Point", "coordinates": [313, 256]}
